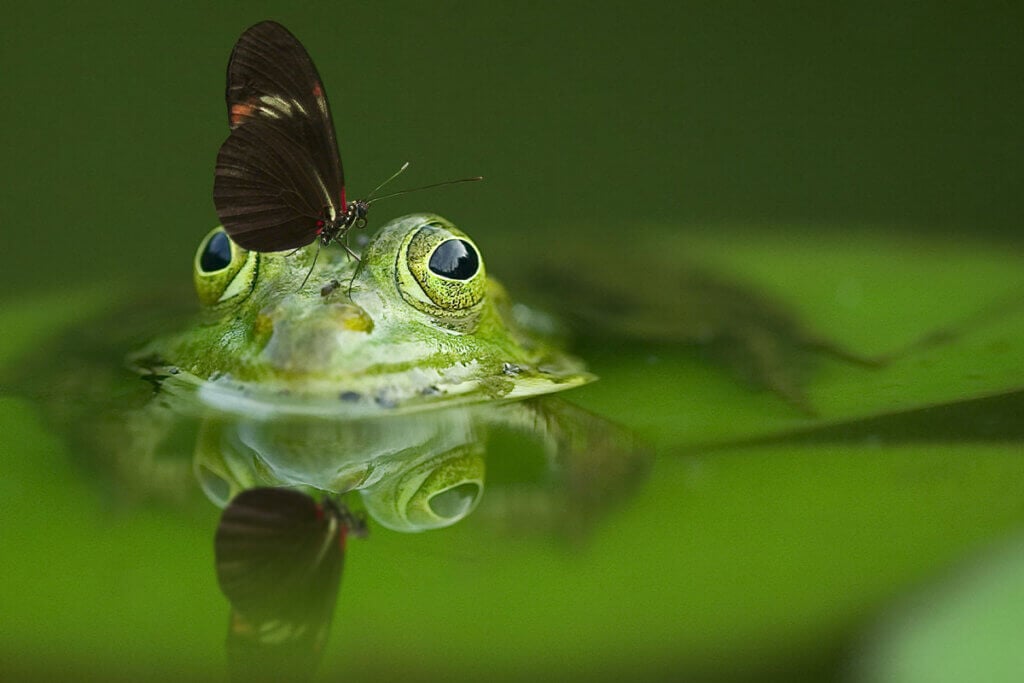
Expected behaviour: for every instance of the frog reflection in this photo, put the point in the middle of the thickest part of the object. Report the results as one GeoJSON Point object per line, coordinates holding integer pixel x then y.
{"type": "Point", "coordinates": [277, 562]}
{"type": "Point", "coordinates": [414, 472]}
{"type": "Point", "coordinates": [558, 468]}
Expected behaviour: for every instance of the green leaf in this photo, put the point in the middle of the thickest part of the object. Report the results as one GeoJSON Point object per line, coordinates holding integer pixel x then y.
{"type": "Point", "coordinates": [951, 315]}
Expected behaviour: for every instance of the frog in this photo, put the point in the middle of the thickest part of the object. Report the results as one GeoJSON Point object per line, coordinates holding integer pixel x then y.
{"type": "Point", "coordinates": [413, 322]}
{"type": "Point", "coordinates": [385, 377]}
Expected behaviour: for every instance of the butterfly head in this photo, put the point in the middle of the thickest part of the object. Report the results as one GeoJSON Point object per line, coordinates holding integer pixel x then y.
{"type": "Point", "coordinates": [359, 209]}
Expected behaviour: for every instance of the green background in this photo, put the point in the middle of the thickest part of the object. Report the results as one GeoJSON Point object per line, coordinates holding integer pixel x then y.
{"type": "Point", "coordinates": [606, 114]}
{"type": "Point", "coordinates": [799, 147]}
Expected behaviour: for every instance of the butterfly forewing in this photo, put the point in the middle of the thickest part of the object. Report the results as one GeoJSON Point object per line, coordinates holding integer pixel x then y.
{"type": "Point", "coordinates": [271, 77]}
{"type": "Point", "coordinates": [277, 107]}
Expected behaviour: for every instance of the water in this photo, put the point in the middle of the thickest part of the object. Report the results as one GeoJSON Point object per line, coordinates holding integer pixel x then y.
{"type": "Point", "coordinates": [710, 560]}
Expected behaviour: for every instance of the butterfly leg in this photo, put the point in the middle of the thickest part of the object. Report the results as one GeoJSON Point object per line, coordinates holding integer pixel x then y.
{"type": "Point", "coordinates": [349, 249]}
{"type": "Point", "coordinates": [351, 253]}
{"type": "Point", "coordinates": [311, 267]}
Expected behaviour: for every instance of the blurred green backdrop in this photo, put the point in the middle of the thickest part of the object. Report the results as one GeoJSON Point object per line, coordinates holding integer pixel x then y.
{"type": "Point", "coordinates": [614, 114]}
{"type": "Point", "coordinates": [610, 117]}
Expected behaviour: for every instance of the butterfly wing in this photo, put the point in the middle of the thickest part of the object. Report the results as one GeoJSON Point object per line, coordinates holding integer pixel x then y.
{"type": "Point", "coordinates": [279, 558]}
{"type": "Point", "coordinates": [279, 554]}
{"type": "Point", "coordinates": [268, 194]}
{"type": "Point", "coordinates": [277, 107]}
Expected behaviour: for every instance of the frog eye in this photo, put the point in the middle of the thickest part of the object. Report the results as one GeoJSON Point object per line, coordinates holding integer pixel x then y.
{"type": "Point", "coordinates": [223, 271]}
{"type": "Point", "coordinates": [216, 255]}
{"type": "Point", "coordinates": [454, 259]}
{"type": "Point", "coordinates": [448, 278]}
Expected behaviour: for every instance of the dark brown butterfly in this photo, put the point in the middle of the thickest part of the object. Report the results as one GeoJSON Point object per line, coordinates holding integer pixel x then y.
{"type": "Point", "coordinates": [279, 555]}
{"type": "Point", "coordinates": [279, 183]}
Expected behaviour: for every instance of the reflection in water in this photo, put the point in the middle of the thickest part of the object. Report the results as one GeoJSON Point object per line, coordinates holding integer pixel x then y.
{"type": "Point", "coordinates": [541, 467]}
{"type": "Point", "coordinates": [552, 468]}
{"type": "Point", "coordinates": [279, 556]}
{"type": "Point", "coordinates": [558, 466]}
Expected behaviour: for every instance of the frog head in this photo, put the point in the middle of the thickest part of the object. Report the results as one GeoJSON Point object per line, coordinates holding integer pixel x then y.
{"type": "Point", "coordinates": [416, 321]}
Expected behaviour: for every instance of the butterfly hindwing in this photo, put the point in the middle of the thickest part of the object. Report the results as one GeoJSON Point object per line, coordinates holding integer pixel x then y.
{"type": "Point", "coordinates": [268, 193]}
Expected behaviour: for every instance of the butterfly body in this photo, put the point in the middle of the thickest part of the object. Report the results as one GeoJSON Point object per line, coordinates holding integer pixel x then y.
{"type": "Point", "coordinates": [334, 229]}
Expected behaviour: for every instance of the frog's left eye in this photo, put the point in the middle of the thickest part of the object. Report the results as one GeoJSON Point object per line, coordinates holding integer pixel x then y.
{"type": "Point", "coordinates": [222, 270]}
{"type": "Point", "coordinates": [447, 274]}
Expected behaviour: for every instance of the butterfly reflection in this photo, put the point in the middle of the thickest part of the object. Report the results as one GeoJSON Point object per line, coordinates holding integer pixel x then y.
{"type": "Point", "coordinates": [279, 555]}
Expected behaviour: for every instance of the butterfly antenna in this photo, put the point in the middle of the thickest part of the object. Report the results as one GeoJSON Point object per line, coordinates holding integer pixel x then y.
{"type": "Point", "coordinates": [311, 266]}
{"type": "Point", "coordinates": [393, 176]}
{"type": "Point", "coordinates": [427, 187]}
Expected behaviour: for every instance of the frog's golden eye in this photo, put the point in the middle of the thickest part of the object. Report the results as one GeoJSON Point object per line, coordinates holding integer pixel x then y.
{"type": "Point", "coordinates": [447, 274]}
{"type": "Point", "coordinates": [223, 272]}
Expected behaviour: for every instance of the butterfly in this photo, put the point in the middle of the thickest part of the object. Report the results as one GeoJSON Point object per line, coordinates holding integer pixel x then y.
{"type": "Point", "coordinates": [279, 555]}
{"type": "Point", "coordinates": [279, 183]}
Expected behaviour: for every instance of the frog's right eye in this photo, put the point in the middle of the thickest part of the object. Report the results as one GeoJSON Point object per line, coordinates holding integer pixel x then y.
{"type": "Point", "coordinates": [223, 272]}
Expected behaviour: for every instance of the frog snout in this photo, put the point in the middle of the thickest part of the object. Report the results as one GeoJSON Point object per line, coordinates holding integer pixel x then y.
{"type": "Point", "coordinates": [283, 320]}
{"type": "Point", "coordinates": [309, 342]}
{"type": "Point", "coordinates": [348, 316]}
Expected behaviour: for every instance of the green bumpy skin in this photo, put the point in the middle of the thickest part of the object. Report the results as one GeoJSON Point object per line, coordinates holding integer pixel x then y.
{"type": "Point", "coordinates": [385, 332]}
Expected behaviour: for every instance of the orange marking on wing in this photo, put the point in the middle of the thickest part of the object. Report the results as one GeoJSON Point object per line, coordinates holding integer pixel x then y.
{"type": "Point", "coordinates": [317, 90]}
{"type": "Point", "coordinates": [240, 112]}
